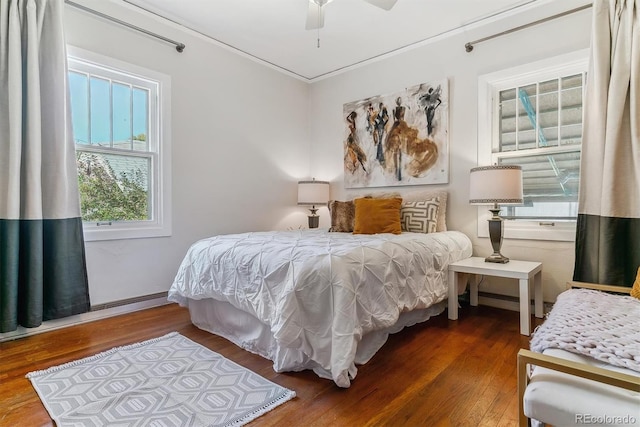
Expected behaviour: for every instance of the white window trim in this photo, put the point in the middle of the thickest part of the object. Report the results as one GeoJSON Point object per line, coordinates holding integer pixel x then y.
{"type": "Point", "coordinates": [488, 87]}
{"type": "Point", "coordinates": [160, 224]}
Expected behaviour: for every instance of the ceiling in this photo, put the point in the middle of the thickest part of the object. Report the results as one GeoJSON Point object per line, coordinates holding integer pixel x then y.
{"type": "Point", "coordinates": [354, 32]}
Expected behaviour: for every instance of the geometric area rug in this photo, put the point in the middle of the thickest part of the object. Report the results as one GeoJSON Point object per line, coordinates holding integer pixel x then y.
{"type": "Point", "coordinates": [162, 382]}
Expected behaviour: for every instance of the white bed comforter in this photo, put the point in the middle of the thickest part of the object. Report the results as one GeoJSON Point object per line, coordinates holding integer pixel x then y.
{"type": "Point", "coordinates": [320, 292]}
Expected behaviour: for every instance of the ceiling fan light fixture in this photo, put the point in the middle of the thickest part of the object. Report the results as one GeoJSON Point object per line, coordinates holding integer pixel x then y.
{"type": "Point", "coordinates": [315, 13]}
{"type": "Point", "coordinates": [321, 2]}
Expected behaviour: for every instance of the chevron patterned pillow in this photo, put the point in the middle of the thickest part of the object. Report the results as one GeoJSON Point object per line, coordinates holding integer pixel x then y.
{"type": "Point", "coordinates": [420, 216]}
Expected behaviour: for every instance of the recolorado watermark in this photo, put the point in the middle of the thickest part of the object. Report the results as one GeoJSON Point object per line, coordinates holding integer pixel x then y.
{"type": "Point", "coordinates": [606, 419]}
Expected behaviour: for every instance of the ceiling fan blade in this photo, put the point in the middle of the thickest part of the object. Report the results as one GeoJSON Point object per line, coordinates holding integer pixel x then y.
{"type": "Point", "coordinates": [315, 16]}
{"type": "Point", "coordinates": [383, 4]}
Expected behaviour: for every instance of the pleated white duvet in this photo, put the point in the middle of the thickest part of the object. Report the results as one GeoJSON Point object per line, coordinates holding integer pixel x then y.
{"type": "Point", "coordinates": [320, 292]}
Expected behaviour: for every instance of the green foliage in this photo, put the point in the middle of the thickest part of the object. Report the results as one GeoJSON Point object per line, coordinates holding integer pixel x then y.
{"type": "Point", "coordinates": [140, 137]}
{"type": "Point", "coordinates": [107, 197]}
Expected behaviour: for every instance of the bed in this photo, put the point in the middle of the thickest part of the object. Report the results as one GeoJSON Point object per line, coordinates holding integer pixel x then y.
{"type": "Point", "coordinates": [584, 362]}
{"type": "Point", "coordinates": [314, 299]}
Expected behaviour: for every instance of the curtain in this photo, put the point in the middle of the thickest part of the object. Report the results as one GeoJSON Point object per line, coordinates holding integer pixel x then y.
{"type": "Point", "coordinates": [608, 231]}
{"type": "Point", "coordinates": [42, 260]}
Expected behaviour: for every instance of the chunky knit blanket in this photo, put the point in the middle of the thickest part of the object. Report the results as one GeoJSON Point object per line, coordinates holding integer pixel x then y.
{"type": "Point", "coordinates": [596, 324]}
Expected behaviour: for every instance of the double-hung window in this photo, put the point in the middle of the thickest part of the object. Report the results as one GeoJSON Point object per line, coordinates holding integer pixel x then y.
{"type": "Point", "coordinates": [121, 131]}
{"type": "Point", "coordinates": [532, 116]}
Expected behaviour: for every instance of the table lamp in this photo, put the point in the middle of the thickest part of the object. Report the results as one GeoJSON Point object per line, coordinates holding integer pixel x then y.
{"type": "Point", "coordinates": [496, 185]}
{"type": "Point", "coordinates": [312, 193]}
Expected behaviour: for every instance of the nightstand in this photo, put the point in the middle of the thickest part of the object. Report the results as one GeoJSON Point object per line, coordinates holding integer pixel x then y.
{"type": "Point", "coordinates": [524, 271]}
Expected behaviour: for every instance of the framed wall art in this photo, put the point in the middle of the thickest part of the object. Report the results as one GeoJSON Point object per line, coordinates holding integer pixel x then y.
{"type": "Point", "coordinates": [398, 139]}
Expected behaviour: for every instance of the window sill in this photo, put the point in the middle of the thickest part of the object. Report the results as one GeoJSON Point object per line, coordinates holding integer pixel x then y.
{"type": "Point", "coordinates": [95, 234]}
{"type": "Point", "coordinates": [564, 231]}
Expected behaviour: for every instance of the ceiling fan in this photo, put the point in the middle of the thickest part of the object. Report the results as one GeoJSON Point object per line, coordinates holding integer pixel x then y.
{"type": "Point", "coordinates": [315, 14]}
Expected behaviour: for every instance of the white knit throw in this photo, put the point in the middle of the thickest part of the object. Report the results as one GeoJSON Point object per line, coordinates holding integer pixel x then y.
{"type": "Point", "coordinates": [596, 324]}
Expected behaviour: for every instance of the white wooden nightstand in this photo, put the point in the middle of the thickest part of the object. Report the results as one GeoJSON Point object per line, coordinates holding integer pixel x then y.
{"type": "Point", "coordinates": [524, 271]}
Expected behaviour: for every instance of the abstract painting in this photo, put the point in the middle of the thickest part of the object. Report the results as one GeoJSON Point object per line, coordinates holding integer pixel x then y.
{"type": "Point", "coordinates": [398, 139]}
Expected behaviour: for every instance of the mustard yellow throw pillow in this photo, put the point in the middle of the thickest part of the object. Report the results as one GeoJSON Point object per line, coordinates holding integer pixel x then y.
{"type": "Point", "coordinates": [635, 290]}
{"type": "Point", "coordinates": [375, 216]}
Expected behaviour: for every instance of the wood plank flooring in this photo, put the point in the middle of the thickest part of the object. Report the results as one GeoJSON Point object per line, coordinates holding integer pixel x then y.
{"type": "Point", "coordinates": [440, 373]}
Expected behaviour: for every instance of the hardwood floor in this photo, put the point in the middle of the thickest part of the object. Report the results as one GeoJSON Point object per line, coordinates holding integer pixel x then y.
{"type": "Point", "coordinates": [440, 373]}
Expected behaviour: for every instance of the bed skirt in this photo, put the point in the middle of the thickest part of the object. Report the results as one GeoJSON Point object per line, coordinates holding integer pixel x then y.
{"type": "Point", "coordinates": [244, 330]}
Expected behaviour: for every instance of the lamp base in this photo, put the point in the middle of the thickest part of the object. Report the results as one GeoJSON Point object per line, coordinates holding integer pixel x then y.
{"type": "Point", "coordinates": [499, 258]}
{"type": "Point", "coordinates": [495, 235]}
{"type": "Point", "coordinates": [314, 221]}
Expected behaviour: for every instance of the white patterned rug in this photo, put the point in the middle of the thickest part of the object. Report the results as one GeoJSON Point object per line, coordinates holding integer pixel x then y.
{"type": "Point", "coordinates": [166, 381]}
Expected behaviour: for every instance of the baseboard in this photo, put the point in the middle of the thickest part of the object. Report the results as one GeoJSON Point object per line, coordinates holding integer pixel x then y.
{"type": "Point", "coordinates": [100, 311]}
{"type": "Point", "coordinates": [129, 301]}
{"type": "Point", "coordinates": [506, 302]}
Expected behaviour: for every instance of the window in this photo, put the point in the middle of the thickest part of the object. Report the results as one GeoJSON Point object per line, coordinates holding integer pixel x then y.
{"type": "Point", "coordinates": [532, 116]}
{"type": "Point", "coordinates": [120, 125]}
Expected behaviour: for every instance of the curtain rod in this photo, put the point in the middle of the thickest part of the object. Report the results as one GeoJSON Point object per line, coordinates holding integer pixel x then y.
{"type": "Point", "coordinates": [179, 46]}
{"type": "Point", "coordinates": [469, 46]}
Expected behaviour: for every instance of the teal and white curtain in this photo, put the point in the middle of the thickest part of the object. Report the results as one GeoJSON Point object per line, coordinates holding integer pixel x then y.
{"type": "Point", "coordinates": [608, 234]}
{"type": "Point", "coordinates": [42, 260]}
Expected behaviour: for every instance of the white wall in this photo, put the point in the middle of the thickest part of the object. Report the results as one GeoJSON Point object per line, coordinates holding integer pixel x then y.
{"type": "Point", "coordinates": [240, 143]}
{"type": "Point", "coordinates": [448, 59]}
{"type": "Point", "coordinates": [243, 134]}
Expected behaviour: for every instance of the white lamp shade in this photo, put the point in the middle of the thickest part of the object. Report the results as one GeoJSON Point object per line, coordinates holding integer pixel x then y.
{"type": "Point", "coordinates": [313, 192]}
{"type": "Point", "coordinates": [501, 184]}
